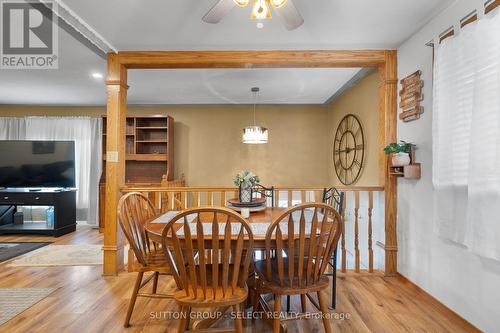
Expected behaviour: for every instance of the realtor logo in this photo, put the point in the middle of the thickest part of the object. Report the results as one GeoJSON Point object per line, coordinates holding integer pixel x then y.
{"type": "Point", "coordinates": [29, 35]}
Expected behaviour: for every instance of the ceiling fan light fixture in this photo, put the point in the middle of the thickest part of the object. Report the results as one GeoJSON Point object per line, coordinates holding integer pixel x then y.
{"type": "Point", "coordinates": [260, 10]}
{"type": "Point", "coordinates": [242, 3]}
{"type": "Point", "coordinates": [278, 3]}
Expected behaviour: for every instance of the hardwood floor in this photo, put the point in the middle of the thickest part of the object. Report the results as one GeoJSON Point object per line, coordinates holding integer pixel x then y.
{"type": "Point", "coordinates": [85, 301]}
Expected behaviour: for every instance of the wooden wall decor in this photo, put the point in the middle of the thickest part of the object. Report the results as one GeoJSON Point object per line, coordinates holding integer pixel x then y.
{"type": "Point", "coordinates": [411, 96]}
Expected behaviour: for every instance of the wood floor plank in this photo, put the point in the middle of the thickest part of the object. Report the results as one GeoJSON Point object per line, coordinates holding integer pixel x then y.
{"type": "Point", "coordinates": [85, 301]}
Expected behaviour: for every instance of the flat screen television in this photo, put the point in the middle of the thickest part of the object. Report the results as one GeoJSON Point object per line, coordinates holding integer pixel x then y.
{"type": "Point", "coordinates": [37, 164]}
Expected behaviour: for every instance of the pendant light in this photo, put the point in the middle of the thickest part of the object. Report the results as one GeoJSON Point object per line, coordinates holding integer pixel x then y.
{"type": "Point", "coordinates": [255, 135]}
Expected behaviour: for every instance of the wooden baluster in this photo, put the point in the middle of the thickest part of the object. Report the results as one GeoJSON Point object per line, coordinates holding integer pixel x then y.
{"type": "Point", "coordinates": [196, 199]}
{"type": "Point", "coordinates": [342, 240]}
{"type": "Point", "coordinates": [223, 199]}
{"type": "Point", "coordinates": [290, 197]}
{"type": "Point", "coordinates": [164, 202]}
{"type": "Point", "coordinates": [370, 248]}
{"type": "Point", "coordinates": [209, 198]}
{"type": "Point", "coordinates": [356, 231]}
{"type": "Point", "coordinates": [170, 202]}
{"type": "Point", "coordinates": [156, 202]}
{"type": "Point", "coordinates": [303, 196]}
{"type": "Point", "coordinates": [183, 200]}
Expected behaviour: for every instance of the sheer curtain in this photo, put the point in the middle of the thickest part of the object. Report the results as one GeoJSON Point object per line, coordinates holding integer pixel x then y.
{"type": "Point", "coordinates": [86, 132]}
{"type": "Point", "coordinates": [466, 137]}
{"type": "Point", "coordinates": [12, 128]}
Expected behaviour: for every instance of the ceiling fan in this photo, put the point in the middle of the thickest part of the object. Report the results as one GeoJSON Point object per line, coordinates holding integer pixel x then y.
{"type": "Point", "coordinates": [284, 9]}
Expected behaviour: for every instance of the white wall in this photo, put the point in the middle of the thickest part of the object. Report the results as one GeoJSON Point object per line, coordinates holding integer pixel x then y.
{"type": "Point", "coordinates": [467, 284]}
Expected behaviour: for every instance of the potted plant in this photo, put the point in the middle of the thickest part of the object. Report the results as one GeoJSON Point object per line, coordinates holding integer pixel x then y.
{"type": "Point", "coordinates": [400, 153]}
{"type": "Point", "coordinates": [246, 180]}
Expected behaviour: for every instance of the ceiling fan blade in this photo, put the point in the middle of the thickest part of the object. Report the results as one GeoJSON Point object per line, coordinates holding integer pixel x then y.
{"type": "Point", "coordinates": [290, 16]}
{"type": "Point", "coordinates": [218, 11]}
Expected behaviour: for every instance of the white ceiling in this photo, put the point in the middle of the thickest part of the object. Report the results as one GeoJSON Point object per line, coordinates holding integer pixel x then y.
{"type": "Point", "coordinates": [223, 86]}
{"type": "Point", "coordinates": [175, 25]}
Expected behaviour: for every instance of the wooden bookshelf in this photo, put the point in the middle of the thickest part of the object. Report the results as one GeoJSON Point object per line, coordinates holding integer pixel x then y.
{"type": "Point", "coordinates": [149, 149]}
{"type": "Point", "coordinates": [149, 155]}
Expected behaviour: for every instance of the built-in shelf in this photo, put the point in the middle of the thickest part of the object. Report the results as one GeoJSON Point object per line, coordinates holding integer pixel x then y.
{"type": "Point", "coordinates": [148, 153]}
{"type": "Point", "coordinates": [145, 157]}
{"type": "Point", "coordinates": [151, 141]}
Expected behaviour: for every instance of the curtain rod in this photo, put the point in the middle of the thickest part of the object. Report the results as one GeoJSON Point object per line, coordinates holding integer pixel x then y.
{"type": "Point", "coordinates": [464, 19]}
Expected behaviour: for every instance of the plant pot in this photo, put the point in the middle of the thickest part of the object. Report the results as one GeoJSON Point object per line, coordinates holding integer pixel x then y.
{"type": "Point", "coordinates": [245, 194]}
{"type": "Point", "coordinates": [400, 159]}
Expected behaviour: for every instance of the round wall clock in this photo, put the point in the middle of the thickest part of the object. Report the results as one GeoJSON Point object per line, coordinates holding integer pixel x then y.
{"type": "Point", "coordinates": [349, 150]}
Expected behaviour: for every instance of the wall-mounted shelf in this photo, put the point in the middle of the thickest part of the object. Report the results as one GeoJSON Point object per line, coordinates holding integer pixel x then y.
{"type": "Point", "coordinates": [412, 171]}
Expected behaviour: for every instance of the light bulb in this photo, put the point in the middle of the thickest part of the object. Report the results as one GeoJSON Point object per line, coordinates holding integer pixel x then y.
{"type": "Point", "coordinates": [277, 3]}
{"type": "Point", "coordinates": [260, 10]}
{"type": "Point", "coordinates": [241, 3]}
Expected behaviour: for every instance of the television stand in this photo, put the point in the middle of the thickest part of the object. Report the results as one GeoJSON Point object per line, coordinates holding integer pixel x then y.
{"type": "Point", "coordinates": [63, 201]}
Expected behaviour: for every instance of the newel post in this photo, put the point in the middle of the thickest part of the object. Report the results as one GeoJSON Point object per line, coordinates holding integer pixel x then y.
{"type": "Point", "coordinates": [115, 162]}
{"type": "Point", "coordinates": [388, 74]}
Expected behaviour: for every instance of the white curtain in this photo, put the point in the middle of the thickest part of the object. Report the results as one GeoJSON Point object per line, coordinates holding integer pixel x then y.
{"type": "Point", "coordinates": [86, 133]}
{"type": "Point", "coordinates": [12, 128]}
{"type": "Point", "coordinates": [466, 137]}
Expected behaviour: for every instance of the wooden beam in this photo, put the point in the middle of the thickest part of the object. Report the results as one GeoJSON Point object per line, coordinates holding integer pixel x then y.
{"type": "Point", "coordinates": [388, 131]}
{"type": "Point", "coordinates": [117, 88]}
{"type": "Point", "coordinates": [251, 59]}
{"type": "Point", "coordinates": [115, 163]}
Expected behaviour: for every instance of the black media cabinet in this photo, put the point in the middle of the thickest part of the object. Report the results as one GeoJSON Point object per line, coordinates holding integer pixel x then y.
{"type": "Point", "coordinates": [63, 200]}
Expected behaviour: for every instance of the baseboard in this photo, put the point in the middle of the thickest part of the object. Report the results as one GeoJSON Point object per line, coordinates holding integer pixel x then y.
{"type": "Point", "coordinates": [471, 327]}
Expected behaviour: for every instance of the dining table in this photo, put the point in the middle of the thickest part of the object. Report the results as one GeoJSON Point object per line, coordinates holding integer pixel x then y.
{"type": "Point", "coordinates": [258, 221]}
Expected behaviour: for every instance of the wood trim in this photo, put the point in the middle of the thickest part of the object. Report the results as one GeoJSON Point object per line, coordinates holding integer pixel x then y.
{"type": "Point", "coordinates": [251, 59]}
{"type": "Point", "coordinates": [115, 169]}
{"type": "Point", "coordinates": [118, 64]}
{"type": "Point", "coordinates": [388, 110]}
{"type": "Point", "coordinates": [465, 324]}
{"type": "Point", "coordinates": [127, 189]}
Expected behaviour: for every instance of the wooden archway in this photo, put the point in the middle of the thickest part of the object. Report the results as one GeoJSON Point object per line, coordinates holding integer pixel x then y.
{"type": "Point", "coordinates": [120, 63]}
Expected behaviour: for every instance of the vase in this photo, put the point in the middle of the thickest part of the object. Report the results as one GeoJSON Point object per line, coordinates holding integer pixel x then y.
{"type": "Point", "coordinates": [400, 159]}
{"type": "Point", "coordinates": [245, 194]}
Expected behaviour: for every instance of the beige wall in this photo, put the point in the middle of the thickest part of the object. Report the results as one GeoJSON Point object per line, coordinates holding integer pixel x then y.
{"type": "Point", "coordinates": [209, 151]}
{"type": "Point", "coordinates": [208, 147]}
{"type": "Point", "coordinates": [362, 101]}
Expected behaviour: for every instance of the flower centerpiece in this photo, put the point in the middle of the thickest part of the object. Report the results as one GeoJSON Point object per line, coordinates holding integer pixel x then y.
{"type": "Point", "coordinates": [246, 180]}
{"type": "Point", "coordinates": [400, 153]}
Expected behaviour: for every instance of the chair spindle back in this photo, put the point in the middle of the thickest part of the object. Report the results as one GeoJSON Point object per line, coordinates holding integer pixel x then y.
{"type": "Point", "coordinates": [227, 242]}
{"type": "Point", "coordinates": [305, 237]}
{"type": "Point", "coordinates": [134, 210]}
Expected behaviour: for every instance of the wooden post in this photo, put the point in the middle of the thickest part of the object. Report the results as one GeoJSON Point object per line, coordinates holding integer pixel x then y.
{"type": "Point", "coordinates": [115, 163]}
{"type": "Point", "coordinates": [388, 131]}
{"type": "Point", "coordinates": [356, 233]}
{"type": "Point", "coordinates": [370, 231]}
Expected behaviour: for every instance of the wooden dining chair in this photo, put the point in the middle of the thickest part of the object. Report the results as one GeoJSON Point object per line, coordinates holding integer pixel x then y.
{"type": "Point", "coordinates": [304, 237]}
{"type": "Point", "coordinates": [134, 210]}
{"type": "Point", "coordinates": [334, 198]}
{"type": "Point", "coordinates": [219, 281]}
